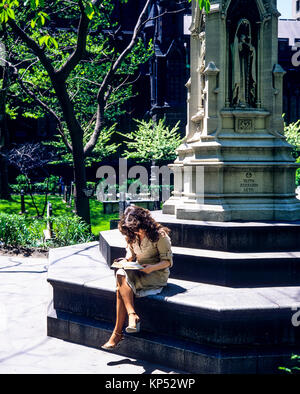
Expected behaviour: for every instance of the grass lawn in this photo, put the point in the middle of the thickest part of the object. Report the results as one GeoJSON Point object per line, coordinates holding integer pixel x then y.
{"type": "Point", "coordinates": [99, 220]}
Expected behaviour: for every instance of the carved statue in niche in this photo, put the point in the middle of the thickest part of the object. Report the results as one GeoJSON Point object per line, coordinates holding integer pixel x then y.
{"type": "Point", "coordinates": [243, 67]}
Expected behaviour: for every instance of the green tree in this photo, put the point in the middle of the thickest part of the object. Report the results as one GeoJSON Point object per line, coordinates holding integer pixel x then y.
{"type": "Point", "coordinates": [292, 133]}
{"type": "Point", "coordinates": [56, 46]}
{"type": "Point", "coordinates": [81, 74]}
{"type": "Point", "coordinates": [152, 141]}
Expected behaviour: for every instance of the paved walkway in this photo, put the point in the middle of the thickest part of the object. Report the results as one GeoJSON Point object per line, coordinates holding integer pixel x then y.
{"type": "Point", "coordinates": [24, 345]}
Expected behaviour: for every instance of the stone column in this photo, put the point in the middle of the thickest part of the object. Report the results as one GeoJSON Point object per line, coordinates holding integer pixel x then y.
{"type": "Point", "coordinates": [170, 206]}
{"type": "Point", "coordinates": [211, 121]}
{"type": "Point", "coordinates": [279, 73]}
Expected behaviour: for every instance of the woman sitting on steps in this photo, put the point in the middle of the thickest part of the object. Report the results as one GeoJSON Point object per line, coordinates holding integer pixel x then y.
{"type": "Point", "coordinates": [149, 244]}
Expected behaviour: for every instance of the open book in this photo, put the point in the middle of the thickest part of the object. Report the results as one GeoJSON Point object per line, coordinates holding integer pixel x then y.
{"type": "Point", "coordinates": [126, 265]}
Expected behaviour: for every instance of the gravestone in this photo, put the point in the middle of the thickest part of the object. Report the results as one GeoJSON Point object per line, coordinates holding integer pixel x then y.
{"type": "Point", "coordinates": [235, 125]}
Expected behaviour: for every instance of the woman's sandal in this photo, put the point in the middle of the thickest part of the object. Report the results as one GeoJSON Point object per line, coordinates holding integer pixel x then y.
{"type": "Point", "coordinates": [111, 347]}
{"type": "Point", "coordinates": [133, 329]}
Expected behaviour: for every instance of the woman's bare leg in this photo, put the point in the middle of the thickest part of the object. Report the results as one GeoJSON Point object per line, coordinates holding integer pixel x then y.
{"type": "Point", "coordinates": [121, 314]}
{"type": "Point", "coordinates": [124, 306]}
{"type": "Point", "coordinates": [127, 297]}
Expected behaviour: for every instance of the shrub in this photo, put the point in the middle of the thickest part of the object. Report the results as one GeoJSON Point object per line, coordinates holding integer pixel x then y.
{"type": "Point", "coordinates": [36, 228]}
{"type": "Point", "coordinates": [14, 231]}
{"type": "Point", "coordinates": [152, 141]}
{"type": "Point", "coordinates": [70, 230]}
{"type": "Point", "coordinates": [15, 189]}
{"type": "Point", "coordinates": [20, 185]}
{"type": "Point", "coordinates": [37, 187]}
{"type": "Point", "coordinates": [298, 173]}
{"type": "Point", "coordinates": [40, 187]}
{"type": "Point", "coordinates": [292, 133]}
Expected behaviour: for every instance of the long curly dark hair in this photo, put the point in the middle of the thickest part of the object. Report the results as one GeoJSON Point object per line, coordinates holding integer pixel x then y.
{"type": "Point", "coordinates": [137, 218]}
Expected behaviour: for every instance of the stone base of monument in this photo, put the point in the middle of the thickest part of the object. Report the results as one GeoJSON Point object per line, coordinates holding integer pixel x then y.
{"type": "Point", "coordinates": [113, 206]}
{"type": "Point", "coordinates": [222, 311]}
{"type": "Point", "coordinates": [234, 209]}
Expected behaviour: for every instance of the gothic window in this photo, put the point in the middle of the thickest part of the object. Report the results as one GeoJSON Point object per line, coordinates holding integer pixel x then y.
{"type": "Point", "coordinates": [175, 78]}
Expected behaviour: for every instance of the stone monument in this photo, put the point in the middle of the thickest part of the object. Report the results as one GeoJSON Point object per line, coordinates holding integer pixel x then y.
{"type": "Point", "coordinates": [235, 125]}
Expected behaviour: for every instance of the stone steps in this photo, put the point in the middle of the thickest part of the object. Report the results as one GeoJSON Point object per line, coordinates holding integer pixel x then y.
{"type": "Point", "coordinates": [240, 237]}
{"type": "Point", "coordinates": [214, 327]}
{"type": "Point", "coordinates": [204, 314]}
{"type": "Point", "coordinates": [183, 356]}
{"type": "Point", "coordinates": [219, 267]}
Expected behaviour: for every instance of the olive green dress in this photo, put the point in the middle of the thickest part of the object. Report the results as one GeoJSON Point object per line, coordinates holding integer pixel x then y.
{"type": "Point", "coordinates": [148, 252]}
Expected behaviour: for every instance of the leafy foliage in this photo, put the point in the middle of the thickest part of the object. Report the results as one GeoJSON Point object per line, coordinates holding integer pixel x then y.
{"type": "Point", "coordinates": [54, 26]}
{"type": "Point", "coordinates": [298, 173]}
{"type": "Point", "coordinates": [203, 4]}
{"type": "Point", "coordinates": [70, 231]}
{"type": "Point", "coordinates": [294, 368]}
{"type": "Point", "coordinates": [58, 42]}
{"type": "Point", "coordinates": [69, 59]}
{"type": "Point", "coordinates": [99, 220]}
{"type": "Point", "coordinates": [52, 183]}
{"type": "Point", "coordinates": [103, 147]}
{"type": "Point", "coordinates": [292, 133]}
{"type": "Point", "coordinates": [15, 232]}
{"type": "Point", "coordinates": [21, 182]}
{"type": "Point", "coordinates": [152, 141]}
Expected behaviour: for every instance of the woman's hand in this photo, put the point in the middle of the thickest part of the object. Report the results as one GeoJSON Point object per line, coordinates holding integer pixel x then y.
{"type": "Point", "coordinates": [148, 268]}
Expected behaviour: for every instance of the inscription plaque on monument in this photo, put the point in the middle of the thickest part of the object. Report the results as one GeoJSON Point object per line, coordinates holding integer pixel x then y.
{"type": "Point", "coordinates": [250, 182]}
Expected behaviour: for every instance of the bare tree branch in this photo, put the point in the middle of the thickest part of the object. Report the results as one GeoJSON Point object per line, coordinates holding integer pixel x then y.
{"type": "Point", "coordinates": [162, 14]}
{"type": "Point", "coordinates": [29, 157]}
{"type": "Point", "coordinates": [127, 50]}
{"type": "Point", "coordinates": [125, 83]}
{"type": "Point", "coordinates": [108, 105]}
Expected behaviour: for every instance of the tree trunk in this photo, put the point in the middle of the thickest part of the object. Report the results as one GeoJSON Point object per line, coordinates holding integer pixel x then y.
{"type": "Point", "coordinates": [82, 208]}
{"type": "Point", "coordinates": [4, 187]}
